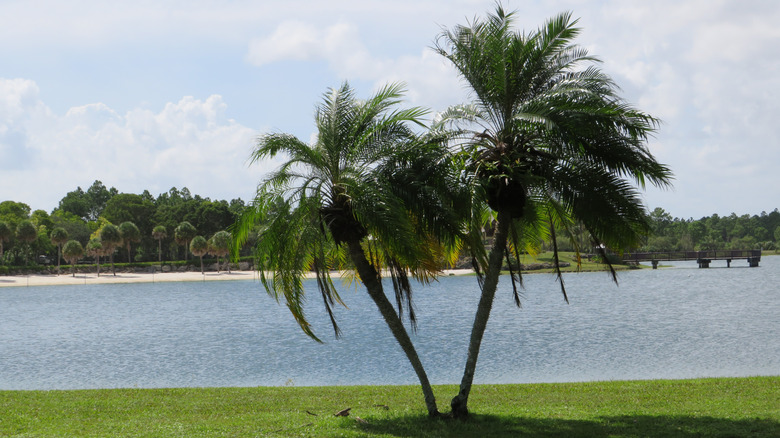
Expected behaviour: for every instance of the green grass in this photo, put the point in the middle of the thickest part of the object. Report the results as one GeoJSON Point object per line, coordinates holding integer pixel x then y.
{"type": "Point", "coordinates": [724, 407]}
{"type": "Point", "coordinates": [567, 257]}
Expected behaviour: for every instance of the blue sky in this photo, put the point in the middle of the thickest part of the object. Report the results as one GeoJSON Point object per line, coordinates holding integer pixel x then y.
{"type": "Point", "coordinates": [157, 94]}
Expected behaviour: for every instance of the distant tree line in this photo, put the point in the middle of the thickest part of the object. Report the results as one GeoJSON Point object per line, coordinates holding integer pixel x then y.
{"type": "Point", "coordinates": [714, 232]}
{"type": "Point", "coordinates": [101, 222]}
{"type": "Point", "coordinates": [142, 228]}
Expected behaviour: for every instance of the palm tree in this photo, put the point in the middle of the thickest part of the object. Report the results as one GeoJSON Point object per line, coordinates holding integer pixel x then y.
{"type": "Point", "coordinates": [159, 233]}
{"type": "Point", "coordinates": [72, 251]}
{"type": "Point", "coordinates": [363, 192]}
{"type": "Point", "coordinates": [547, 143]}
{"type": "Point", "coordinates": [130, 234]}
{"type": "Point", "coordinates": [219, 245]}
{"type": "Point", "coordinates": [110, 238]}
{"type": "Point", "coordinates": [5, 235]}
{"type": "Point", "coordinates": [183, 234]}
{"type": "Point", "coordinates": [58, 237]}
{"type": "Point", "coordinates": [199, 247]}
{"type": "Point", "coordinates": [26, 232]}
{"type": "Point", "coordinates": [95, 249]}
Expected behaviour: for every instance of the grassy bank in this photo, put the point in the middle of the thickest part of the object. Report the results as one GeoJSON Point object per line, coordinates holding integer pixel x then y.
{"type": "Point", "coordinates": [703, 407]}
{"type": "Point", "coordinates": [532, 263]}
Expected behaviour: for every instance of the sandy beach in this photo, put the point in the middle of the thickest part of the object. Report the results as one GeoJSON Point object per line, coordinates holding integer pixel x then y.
{"type": "Point", "coordinates": [125, 277]}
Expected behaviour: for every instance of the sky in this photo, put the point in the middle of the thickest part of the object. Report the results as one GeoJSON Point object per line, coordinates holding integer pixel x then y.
{"type": "Point", "coordinates": [150, 95]}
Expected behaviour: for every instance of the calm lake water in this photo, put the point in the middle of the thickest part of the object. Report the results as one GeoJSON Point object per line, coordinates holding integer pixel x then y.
{"type": "Point", "coordinates": [680, 322]}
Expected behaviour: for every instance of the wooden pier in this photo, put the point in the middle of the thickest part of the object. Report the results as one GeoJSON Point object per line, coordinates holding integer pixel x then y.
{"type": "Point", "coordinates": [703, 258]}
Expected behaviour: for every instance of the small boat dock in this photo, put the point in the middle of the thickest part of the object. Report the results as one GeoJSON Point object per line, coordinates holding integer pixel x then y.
{"type": "Point", "coordinates": [703, 258]}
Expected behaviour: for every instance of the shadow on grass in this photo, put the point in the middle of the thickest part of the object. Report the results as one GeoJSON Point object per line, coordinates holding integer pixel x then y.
{"type": "Point", "coordinates": [620, 426]}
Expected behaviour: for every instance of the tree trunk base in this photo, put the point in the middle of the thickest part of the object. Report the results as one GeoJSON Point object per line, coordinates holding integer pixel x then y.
{"type": "Point", "coordinates": [459, 408]}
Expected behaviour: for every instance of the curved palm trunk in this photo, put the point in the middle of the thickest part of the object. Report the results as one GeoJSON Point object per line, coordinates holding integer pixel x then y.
{"type": "Point", "coordinates": [159, 252]}
{"type": "Point", "coordinates": [59, 257]}
{"type": "Point", "coordinates": [459, 403]}
{"type": "Point", "coordinates": [373, 285]}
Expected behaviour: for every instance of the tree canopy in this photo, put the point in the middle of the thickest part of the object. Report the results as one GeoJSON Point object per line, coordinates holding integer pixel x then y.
{"type": "Point", "coordinates": [81, 213]}
{"type": "Point", "coordinates": [713, 232]}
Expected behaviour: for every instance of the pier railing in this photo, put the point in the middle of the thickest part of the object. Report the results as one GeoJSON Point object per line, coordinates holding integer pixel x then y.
{"type": "Point", "coordinates": [753, 256]}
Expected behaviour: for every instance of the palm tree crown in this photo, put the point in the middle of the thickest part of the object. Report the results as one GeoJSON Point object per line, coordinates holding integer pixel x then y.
{"type": "Point", "coordinates": [351, 183]}
{"type": "Point", "coordinates": [549, 142]}
{"type": "Point", "coordinates": [59, 236]}
{"type": "Point", "coordinates": [72, 251]}
{"type": "Point", "coordinates": [159, 233]}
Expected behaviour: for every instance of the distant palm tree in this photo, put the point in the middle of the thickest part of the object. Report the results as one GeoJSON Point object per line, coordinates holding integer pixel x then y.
{"type": "Point", "coordinates": [72, 251]}
{"type": "Point", "coordinates": [365, 195]}
{"type": "Point", "coordinates": [5, 235]}
{"type": "Point", "coordinates": [219, 245]}
{"type": "Point", "coordinates": [130, 234]}
{"type": "Point", "coordinates": [27, 233]}
{"type": "Point", "coordinates": [58, 237]}
{"type": "Point", "coordinates": [110, 238]}
{"type": "Point", "coordinates": [159, 233]}
{"type": "Point", "coordinates": [183, 234]}
{"type": "Point", "coordinates": [547, 144]}
{"type": "Point", "coordinates": [199, 246]}
{"type": "Point", "coordinates": [95, 249]}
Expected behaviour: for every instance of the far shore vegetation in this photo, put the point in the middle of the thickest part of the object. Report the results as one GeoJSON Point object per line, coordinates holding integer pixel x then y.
{"type": "Point", "coordinates": [81, 214]}
{"type": "Point", "coordinates": [716, 407]}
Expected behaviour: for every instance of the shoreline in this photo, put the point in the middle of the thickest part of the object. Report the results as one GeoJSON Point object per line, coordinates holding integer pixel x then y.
{"type": "Point", "coordinates": [158, 277]}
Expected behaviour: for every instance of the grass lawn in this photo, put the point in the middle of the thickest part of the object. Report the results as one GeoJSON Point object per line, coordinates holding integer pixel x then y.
{"type": "Point", "coordinates": [567, 257]}
{"type": "Point", "coordinates": [723, 407]}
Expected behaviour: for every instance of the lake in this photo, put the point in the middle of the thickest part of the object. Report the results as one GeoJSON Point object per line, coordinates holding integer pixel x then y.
{"type": "Point", "coordinates": [679, 322]}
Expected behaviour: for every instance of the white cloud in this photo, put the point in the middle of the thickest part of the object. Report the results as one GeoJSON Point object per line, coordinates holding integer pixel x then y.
{"type": "Point", "coordinates": [22, 115]}
{"type": "Point", "coordinates": [429, 78]}
{"type": "Point", "coordinates": [339, 45]}
{"type": "Point", "coordinates": [291, 40]}
{"type": "Point", "coordinates": [95, 23]}
{"type": "Point", "coordinates": [188, 143]}
{"type": "Point", "coordinates": [94, 116]}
